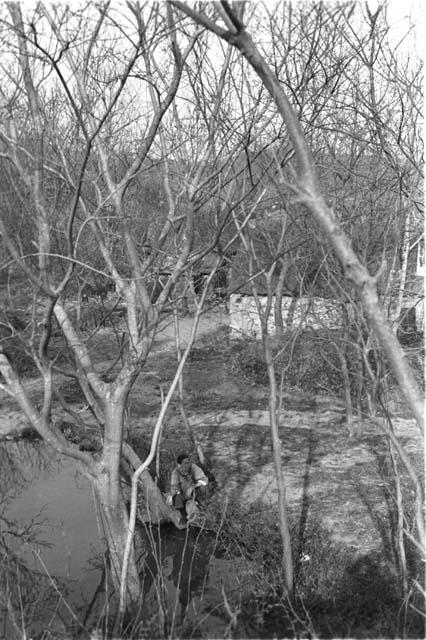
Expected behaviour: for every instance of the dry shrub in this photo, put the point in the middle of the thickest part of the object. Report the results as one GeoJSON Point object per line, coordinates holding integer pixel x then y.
{"type": "Point", "coordinates": [305, 360]}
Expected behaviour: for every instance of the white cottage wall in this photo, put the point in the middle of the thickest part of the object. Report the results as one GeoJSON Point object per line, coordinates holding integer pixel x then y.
{"type": "Point", "coordinates": [315, 313]}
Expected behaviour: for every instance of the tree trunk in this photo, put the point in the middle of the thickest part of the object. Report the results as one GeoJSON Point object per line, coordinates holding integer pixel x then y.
{"type": "Point", "coordinates": [283, 522]}
{"type": "Point", "coordinates": [347, 389]}
{"type": "Point", "coordinates": [194, 439]}
{"type": "Point", "coordinates": [115, 525]}
{"type": "Point", "coordinates": [278, 304]}
{"type": "Point", "coordinates": [397, 308]}
{"type": "Point", "coordinates": [291, 310]}
{"type": "Point", "coordinates": [109, 493]}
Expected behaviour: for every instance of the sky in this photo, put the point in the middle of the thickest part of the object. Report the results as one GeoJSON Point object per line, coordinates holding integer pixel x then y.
{"type": "Point", "coordinates": [401, 12]}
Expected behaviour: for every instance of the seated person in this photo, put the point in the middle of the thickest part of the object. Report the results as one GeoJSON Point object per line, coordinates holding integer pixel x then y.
{"type": "Point", "coordinates": [188, 484]}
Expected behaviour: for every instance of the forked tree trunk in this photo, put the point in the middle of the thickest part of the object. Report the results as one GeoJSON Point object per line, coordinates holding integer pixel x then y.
{"type": "Point", "coordinates": [113, 504]}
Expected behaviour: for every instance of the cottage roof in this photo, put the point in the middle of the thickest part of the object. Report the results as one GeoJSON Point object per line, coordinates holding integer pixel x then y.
{"type": "Point", "coordinates": [296, 283]}
{"type": "Point", "coordinates": [240, 282]}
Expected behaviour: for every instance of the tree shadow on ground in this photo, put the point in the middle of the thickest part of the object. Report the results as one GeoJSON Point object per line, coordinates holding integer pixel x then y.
{"type": "Point", "coordinates": [304, 512]}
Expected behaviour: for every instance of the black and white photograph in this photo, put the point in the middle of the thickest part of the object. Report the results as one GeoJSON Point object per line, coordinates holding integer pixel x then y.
{"type": "Point", "coordinates": [212, 265]}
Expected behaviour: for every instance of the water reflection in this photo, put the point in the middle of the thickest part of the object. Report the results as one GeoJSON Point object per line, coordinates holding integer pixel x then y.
{"type": "Point", "coordinates": [185, 578]}
{"type": "Point", "coordinates": [176, 567]}
{"type": "Point", "coordinates": [21, 461]}
{"type": "Point", "coordinates": [48, 541]}
{"type": "Point", "coordinates": [24, 592]}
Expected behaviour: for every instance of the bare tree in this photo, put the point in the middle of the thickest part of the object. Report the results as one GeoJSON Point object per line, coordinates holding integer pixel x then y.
{"type": "Point", "coordinates": [93, 105]}
{"type": "Point", "coordinates": [307, 190]}
{"type": "Point", "coordinates": [227, 23]}
{"type": "Point", "coordinates": [67, 146]}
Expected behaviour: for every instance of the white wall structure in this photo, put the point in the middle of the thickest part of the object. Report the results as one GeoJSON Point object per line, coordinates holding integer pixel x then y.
{"type": "Point", "coordinates": [414, 298]}
{"type": "Point", "coordinates": [315, 312]}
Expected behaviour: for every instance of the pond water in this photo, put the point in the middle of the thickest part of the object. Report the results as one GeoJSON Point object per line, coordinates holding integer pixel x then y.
{"type": "Point", "coordinates": [49, 534]}
{"type": "Point", "coordinates": [52, 555]}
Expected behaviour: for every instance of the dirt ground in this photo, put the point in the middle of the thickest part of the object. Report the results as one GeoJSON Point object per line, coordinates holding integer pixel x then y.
{"type": "Point", "coordinates": [330, 477]}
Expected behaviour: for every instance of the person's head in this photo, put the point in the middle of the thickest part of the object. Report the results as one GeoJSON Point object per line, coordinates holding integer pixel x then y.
{"type": "Point", "coordinates": [184, 462]}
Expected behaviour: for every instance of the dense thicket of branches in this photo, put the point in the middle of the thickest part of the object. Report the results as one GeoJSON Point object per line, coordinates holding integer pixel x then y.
{"type": "Point", "coordinates": [136, 146]}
